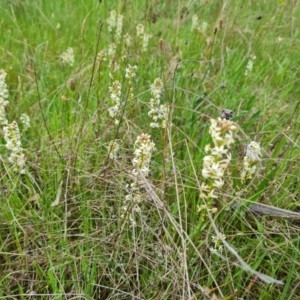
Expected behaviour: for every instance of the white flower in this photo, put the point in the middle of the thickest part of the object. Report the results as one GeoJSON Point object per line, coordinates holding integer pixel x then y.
{"type": "Point", "coordinates": [218, 183]}
{"type": "Point", "coordinates": [218, 157]}
{"type": "Point", "coordinates": [228, 139]}
{"type": "Point", "coordinates": [67, 57]}
{"type": "Point", "coordinates": [130, 71]}
{"type": "Point", "coordinates": [219, 151]}
{"type": "Point", "coordinates": [111, 21]}
{"type": "Point", "coordinates": [249, 66]}
{"type": "Point", "coordinates": [112, 49]}
{"type": "Point", "coordinates": [143, 152]}
{"type": "Point", "coordinates": [207, 148]}
{"type": "Point", "coordinates": [279, 39]}
{"type": "Point", "coordinates": [164, 115]}
{"type": "Point", "coordinates": [214, 171]}
{"type": "Point", "coordinates": [127, 39]}
{"type": "Point", "coordinates": [146, 41]}
{"type": "Point", "coordinates": [3, 97]}
{"type": "Point", "coordinates": [212, 195]}
{"type": "Point", "coordinates": [213, 250]}
{"type": "Point", "coordinates": [194, 22]}
{"type": "Point", "coordinates": [156, 88]}
{"type": "Point", "coordinates": [143, 148]}
{"type": "Point", "coordinates": [119, 27]}
{"type": "Point", "coordinates": [154, 125]}
{"type": "Point", "coordinates": [113, 149]}
{"type": "Point", "coordinates": [204, 27]}
{"type": "Point", "coordinates": [208, 160]}
{"type": "Point", "coordinates": [115, 93]}
{"type": "Point", "coordinates": [159, 113]}
{"type": "Point", "coordinates": [101, 56]}
{"type": "Point", "coordinates": [140, 30]}
{"type": "Point", "coordinates": [13, 143]}
{"type": "Point", "coordinates": [25, 120]}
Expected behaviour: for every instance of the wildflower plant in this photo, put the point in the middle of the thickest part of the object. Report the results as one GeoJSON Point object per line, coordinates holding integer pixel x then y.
{"type": "Point", "coordinates": [11, 131]}
{"type": "Point", "coordinates": [115, 23]}
{"type": "Point", "coordinates": [140, 30]}
{"type": "Point", "coordinates": [195, 20]}
{"type": "Point", "coordinates": [3, 97]}
{"type": "Point", "coordinates": [101, 57]}
{"type": "Point", "coordinates": [113, 149]}
{"type": "Point", "coordinates": [196, 27]}
{"type": "Point", "coordinates": [251, 160]}
{"type": "Point", "coordinates": [218, 157]}
{"type": "Point", "coordinates": [143, 37]}
{"type": "Point", "coordinates": [112, 48]}
{"type": "Point", "coordinates": [67, 57]}
{"type": "Point", "coordinates": [115, 97]}
{"type": "Point", "coordinates": [159, 112]}
{"type": "Point", "coordinates": [13, 143]}
{"type": "Point", "coordinates": [217, 243]}
{"type": "Point", "coordinates": [119, 27]}
{"type": "Point", "coordinates": [127, 39]}
{"type": "Point", "coordinates": [250, 64]}
{"type": "Point", "coordinates": [25, 120]}
{"type": "Point", "coordinates": [130, 74]}
{"type": "Point", "coordinates": [146, 39]}
{"type": "Point", "coordinates": [112, 20]}
{"type": "Point", "coordinates": [143, 148]}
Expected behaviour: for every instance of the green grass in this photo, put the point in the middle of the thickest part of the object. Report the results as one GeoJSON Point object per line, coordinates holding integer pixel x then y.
{"type": "Point", "coordinates": [65, 232]}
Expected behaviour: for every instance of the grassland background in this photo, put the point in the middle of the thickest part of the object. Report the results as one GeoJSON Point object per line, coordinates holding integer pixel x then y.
{"type": "Point", "coordinates": [82, 248]}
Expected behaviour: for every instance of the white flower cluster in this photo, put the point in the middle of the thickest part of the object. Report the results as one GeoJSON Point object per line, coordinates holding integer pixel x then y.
{"type": "Point", "coordinates": [127, 39]}
{"type": "Point", "coordinates": [112, 20]}
{"type": "Point", "coordinates": [146, 41]}
{"type": "Point", "coordinates": [194, 22]}
{"type": "Point", "coordinates": [140, 29]}
{"type": "Point", "coordinates": [144, 37]}
{"type": "Point", "coordinates": [112, 49]}
{"type": "Point", "coordinates": [11, 131]}
{"type": "Point", "coordinates": [130, 74]}
{"type": "Point", "coordinates": [13, 143]}
{"type": "Point", "coordinates": [115, 93]}
{"type": "Point", "coordinates": [195, 25]}
{"type": "Point", "coordinates": [217, 241]}
{"type": "Point", "coordinates": [67, 57]}
{"type": "Point", "coordinates": [159, 113]}
{"type": "Point", "coordinates": [203, 27]}
{"type": "Point", "coordinates": [218, 158]}
{"type": "Point", "coordinates": [143, 148]}
{"type": "Point", "coordinates": [119, 27]}
{"type": "Point", "coordinates": [251, 159]}
{"type": "Point", "coordinates": [101, 57]}
{"type": "Point", "coordinates": [25, 120]}
{"type": "Point", "coordinates": [249, 66]}
{"type": "Point", "coordinates": [115, 21]}
{"type": "Point", "coordinates": [113, 149]}
{"type": "Point", "coordinates": [3, 97]}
